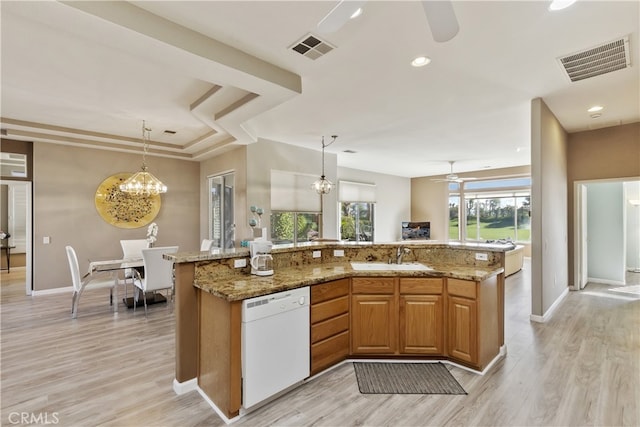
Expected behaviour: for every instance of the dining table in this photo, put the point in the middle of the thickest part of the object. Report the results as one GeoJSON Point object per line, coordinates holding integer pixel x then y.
{"type": "Point", "coordinates": [7, 249]}
{"type": "Point", "coordinates": [113, 267]}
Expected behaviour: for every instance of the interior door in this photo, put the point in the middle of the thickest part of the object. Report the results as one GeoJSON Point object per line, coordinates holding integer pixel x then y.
{"type": "Point", "coordinates": [581, 240]}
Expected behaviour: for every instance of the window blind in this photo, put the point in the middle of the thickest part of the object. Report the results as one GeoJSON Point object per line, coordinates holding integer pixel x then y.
{"type": "Point", "coordinates": [356, 192]}
{"type": "Point", "coordinates": [292, 192]}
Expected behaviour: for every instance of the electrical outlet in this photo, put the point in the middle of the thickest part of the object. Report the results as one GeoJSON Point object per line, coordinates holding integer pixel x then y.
{"type": "Point", "coordinates": [239, 263]}
{"type": "Point", "coordinates": [481, 256]}
{"type": "Point", "coordinates": [317, 254]}
{"type": "Point", "coordinates": [46, 240]}
{"type": "Point", "coordinates": [338, 252]}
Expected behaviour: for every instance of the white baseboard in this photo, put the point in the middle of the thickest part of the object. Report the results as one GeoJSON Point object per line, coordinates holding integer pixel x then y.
{"type": "Point", "coordinates": [65, 290]}
{"type": "Point", "coordinates": [215, 408]}
{"type": "Point", "coordinates": [547, 315]}
{"type": "Point", "coordinates": [185, 387]}
{"type": "Point", "coordinates": [605, 281]}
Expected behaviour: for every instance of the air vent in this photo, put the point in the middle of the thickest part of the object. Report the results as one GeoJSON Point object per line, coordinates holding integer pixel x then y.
{"type": "Point", "coordinates": [312, 47]}
{"type": "Point", "coordinates": [170, 132]}
{"type": "Point", "coordinates": [608, 57]}
{"type": "Point", "coordinates": [349, 151]}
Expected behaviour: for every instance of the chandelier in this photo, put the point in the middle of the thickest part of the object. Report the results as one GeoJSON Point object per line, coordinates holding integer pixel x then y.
{"type": "Point", "coordinates": [143, 183]}
{"type": "Point", "coordinates": [323, 185]}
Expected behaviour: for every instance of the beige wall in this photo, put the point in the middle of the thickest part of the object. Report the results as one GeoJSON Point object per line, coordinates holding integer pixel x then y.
{"type": "Point", "coordinates": [607, 153]}
{"type": "Point", "coordinates": [549, 266]}
{"type": "Point", "coordinates": [232, 161]}
{"type": "Point", "coordinates": [430, 202]}
{"type": "Point", "coordinates": [65, 181]}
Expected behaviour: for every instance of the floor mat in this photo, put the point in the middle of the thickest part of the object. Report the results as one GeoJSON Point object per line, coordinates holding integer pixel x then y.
{"type": "Point", "coordinates": [405, 378]}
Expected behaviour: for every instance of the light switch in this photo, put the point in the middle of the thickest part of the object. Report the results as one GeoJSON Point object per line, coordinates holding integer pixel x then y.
{"type": "Point", "coordinates": [317, 254]}
{"type": "Point", "coordinates": [338, 252]}
{"type": "Point", "coordinates": [238, 263]}
{"type": "Point", "coordinates": [46, 240]}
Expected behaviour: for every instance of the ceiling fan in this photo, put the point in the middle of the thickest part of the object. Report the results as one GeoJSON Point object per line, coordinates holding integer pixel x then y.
{"type": "Point", "coordinates": [440, 15]}
{"type": "Point", "coordinates": [452, 177]}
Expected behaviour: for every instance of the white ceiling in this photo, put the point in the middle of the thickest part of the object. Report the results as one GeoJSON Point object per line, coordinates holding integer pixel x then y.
{"type": "Point", "coordinates": [88, 73]}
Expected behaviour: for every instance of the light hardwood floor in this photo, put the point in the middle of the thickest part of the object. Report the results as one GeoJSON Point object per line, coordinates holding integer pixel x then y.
{"type": "Point", "coordinates": [580, 368]}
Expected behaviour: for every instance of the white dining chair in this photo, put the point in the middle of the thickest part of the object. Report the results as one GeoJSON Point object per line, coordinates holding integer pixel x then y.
{"type": "Point", "coordinates": [81, 283]}
{"type": "Point", "coordinates": [158, 274]}
{"type": "Point", "coordinates": [206, 245]}
{"type": "Point", "coordinates": [131, 249]}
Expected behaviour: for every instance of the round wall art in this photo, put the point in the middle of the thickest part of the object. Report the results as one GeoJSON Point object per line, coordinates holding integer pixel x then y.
{"type": "Point", "coordinates": [121, 209]}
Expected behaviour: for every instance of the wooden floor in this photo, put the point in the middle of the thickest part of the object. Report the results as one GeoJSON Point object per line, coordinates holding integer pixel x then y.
{"type": "Point", "coordinates": [580, 368]}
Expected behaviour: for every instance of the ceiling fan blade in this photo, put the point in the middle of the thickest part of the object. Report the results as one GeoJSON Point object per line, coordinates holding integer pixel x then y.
{"type": "Point", "coordinates": [442, 20]}
{"type": "Point", "coordinates": [338, 16]}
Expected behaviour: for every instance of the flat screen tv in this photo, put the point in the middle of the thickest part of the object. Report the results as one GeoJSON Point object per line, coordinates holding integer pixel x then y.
{"type": "Point", "coordinates": [416, 230]}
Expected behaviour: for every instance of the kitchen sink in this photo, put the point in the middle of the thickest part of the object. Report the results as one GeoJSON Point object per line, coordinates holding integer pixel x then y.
{"type": "Point", "coordinates": [381, 266]}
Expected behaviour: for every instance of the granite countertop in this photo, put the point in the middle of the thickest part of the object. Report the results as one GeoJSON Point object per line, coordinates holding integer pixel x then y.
{"type": "Point", "coordinates": [194, 256]}
{"type": "Point", "coordinates": [240, 287]}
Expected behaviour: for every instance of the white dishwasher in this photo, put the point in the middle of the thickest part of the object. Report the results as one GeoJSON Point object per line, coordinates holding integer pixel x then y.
{"type": "Point", "coordinates": [275, 343]}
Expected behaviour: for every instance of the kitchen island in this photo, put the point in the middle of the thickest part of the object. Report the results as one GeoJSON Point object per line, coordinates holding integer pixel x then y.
{"type": "Point", "coordinates": [450, 309]}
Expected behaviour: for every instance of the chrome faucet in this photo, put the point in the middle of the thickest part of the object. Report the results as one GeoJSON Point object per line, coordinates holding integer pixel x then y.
{"type": "Point", "coordinates": [400, 252]}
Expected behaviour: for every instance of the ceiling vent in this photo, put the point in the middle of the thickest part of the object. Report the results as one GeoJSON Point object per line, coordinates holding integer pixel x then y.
{"type": "Point", "coordinates": [608, 57]}
{"type": "Point", "coordinates": [312, 47]}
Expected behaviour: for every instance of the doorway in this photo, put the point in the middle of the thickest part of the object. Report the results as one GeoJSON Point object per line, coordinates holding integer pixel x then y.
{"type": "Point", "coordinates": [606, 232]}
{"type": "Point", "coordinates": [16, 221]}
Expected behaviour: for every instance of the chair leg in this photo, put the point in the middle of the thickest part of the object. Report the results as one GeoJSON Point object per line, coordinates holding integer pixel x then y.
{"type": "Point", "coordinates": [135, 298]}
{"type": "Point", "coordinates": [144, 298]}
{"type": "Point", "coordinates": [74, 305]}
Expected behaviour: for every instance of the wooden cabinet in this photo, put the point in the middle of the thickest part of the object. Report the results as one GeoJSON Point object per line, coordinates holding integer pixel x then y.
{"type": "Point", "coordinates": [473, 321]}
{"type": "Point", "coordinates": [462, 329]}
{"type": "Point", "coordinates": [421, 316]}
{"type": "Point", "coordinates": [329, 324]}
{"type": "Point", "coordinates": [373, 315]}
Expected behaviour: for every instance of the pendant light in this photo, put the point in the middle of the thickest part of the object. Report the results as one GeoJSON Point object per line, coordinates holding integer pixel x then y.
{"type": "Point", "coordinates": [323, 185]}
{"type": "Point", "coordinates": [143, 183]}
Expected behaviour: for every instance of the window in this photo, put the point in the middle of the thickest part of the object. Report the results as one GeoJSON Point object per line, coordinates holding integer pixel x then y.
{"type": "Point", "coordinates": [454, 220]}
{"type": "Point", "coordinates": [491, 210]}
{"type": "Point", "coordinates": [294, 227]}
{"type": "Point", "coordinates": [356, 221]}
{"type": "Point", "coordinates": [221, 222]}
{"type": "Point", "coordinates": [295, 208]}
{"type": "Point", "coordinates": [357, 202]}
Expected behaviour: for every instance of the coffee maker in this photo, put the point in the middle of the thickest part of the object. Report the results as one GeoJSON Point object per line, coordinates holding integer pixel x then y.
{"type": "Point", "coordinates": [261, 259]}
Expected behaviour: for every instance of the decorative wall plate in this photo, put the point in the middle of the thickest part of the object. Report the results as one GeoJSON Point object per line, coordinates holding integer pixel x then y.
{"type": "Point", "coordinates": [121, 209]}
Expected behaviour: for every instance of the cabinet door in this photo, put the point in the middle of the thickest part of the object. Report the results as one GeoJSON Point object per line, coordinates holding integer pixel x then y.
{"type": "Point", "coordinates": [421, 324]}
{"type": "Point", "coordinates": [463, 342]}
{"type": "Point", "coordinates": [373, 324]}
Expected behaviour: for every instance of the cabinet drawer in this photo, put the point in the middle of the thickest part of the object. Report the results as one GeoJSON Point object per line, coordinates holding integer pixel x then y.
{"type": "Point", "coordinates": [372, 285]}
{"type": "Point", "coordinates": [419, 285]}
{"type": "Point", "coordinates": [328, 309]}
{"type": "Point", "coordinates": [461, 288]}
{"type": "Point", "coordinates": [329, 290]}
{"type": "Point", "coordinates": [328, 352]}
{"type": "Point", "coordinates": [323, 330]}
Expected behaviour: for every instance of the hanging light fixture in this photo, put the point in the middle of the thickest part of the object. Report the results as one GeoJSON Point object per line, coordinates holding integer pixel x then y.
{"type": "Point", "coordinates": [143, 183]}
{"type": "Point", "coordinates": [323, 185]}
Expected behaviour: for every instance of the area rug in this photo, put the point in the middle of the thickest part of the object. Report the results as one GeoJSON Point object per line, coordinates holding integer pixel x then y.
{"type": "Point", "coordinates": [405, 378]}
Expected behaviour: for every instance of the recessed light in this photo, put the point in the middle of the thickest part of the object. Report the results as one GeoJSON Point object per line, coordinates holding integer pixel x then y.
{"type": "Point", "coordinates": [420, 61]}
{"type": "Point", "coordinates": [595, 108]}
{"type": "Point", "coordinates": [560, 4]}
{"type": "Point", "coordinates": [357, 13]}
